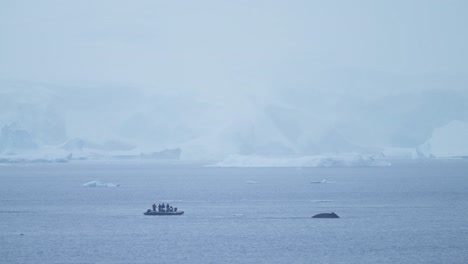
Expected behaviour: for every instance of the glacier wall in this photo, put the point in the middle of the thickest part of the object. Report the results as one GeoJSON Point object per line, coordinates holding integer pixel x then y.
{"type": "Point", "coordinates": [450, 140]}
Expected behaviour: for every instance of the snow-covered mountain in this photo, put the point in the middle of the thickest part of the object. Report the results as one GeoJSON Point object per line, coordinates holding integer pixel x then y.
{"type": "Point", "coordinates": [90, 122]}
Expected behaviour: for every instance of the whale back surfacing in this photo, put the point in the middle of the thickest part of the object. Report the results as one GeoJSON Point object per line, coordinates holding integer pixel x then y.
{"type": "Point", "coordinates": [326, 215]}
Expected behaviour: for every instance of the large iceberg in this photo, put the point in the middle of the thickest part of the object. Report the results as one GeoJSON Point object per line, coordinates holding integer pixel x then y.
{"type": "Point", "coordinates": [332, 160]}
{"type": "Point", "coordinates": [447, 141]}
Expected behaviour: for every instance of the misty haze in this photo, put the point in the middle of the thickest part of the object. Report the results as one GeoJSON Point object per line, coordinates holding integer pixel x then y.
{"type": "Point", "coordinates": [245, 119]}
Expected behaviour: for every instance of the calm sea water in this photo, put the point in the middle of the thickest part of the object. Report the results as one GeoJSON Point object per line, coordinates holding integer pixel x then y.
{"type": "Point", "coordinates": [408, 213]}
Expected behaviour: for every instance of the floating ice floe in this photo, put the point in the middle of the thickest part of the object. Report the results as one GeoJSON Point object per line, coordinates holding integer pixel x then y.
{"type": "Point", "coordinates": [322, 181]}
{"type": "Point", "coordinates": [99, 184]}
{"type": "Point", "coordinates": [251, 182]}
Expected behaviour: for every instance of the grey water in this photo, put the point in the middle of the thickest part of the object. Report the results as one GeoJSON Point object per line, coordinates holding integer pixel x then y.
{"type": "Point", "coordinates": [411, 212]}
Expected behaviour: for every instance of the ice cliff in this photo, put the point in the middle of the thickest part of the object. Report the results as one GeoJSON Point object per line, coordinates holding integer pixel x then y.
{"type": "Point", "coordinates": [450, 140]}
{"type": "Point", "coordinates": [14, 140]}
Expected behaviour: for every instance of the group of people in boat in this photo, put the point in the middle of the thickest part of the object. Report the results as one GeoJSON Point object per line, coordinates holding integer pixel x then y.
{"type": "Point", "coordinates": [164, 208]}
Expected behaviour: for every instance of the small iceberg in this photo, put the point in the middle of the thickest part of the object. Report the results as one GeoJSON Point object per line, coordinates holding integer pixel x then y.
{"type": "Point", "coordinates": [99, 184]}
{"type": "Point", "coordinates": [322, 181]}
{"type": "Point", "coordinates": [251, 182]}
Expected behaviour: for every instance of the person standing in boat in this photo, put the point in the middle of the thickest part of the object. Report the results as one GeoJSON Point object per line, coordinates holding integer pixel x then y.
{"type": "Point", "coordinates": [167, 207]}
{"type": "Point", "coordinates": [154, 207]}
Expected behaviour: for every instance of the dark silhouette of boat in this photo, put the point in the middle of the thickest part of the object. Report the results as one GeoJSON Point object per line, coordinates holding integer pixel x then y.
{"type": "Point", "coordinates": [149, 212]}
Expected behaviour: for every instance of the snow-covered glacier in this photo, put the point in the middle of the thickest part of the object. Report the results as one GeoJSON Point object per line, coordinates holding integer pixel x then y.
{"type": "Point", "coordinates": [15, 140]}
{"type": "Point", "coordinates": [450, 140]}
{"type": "Point", "coordinates": [46, 123]}
{"type": "Point", "coordinates": [331, 160]}
{"type": "Point", "coordinates": [400, 153]}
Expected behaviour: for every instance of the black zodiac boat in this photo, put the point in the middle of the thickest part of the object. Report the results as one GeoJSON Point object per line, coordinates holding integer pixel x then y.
{"type": "Point", "coordinates": [149, 212]}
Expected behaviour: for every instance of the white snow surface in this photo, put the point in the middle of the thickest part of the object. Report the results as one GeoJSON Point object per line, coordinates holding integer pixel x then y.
{"type": "Point", "coordinates": [450, 140]}
{"type": "Point", "coordinates": [332, 160]}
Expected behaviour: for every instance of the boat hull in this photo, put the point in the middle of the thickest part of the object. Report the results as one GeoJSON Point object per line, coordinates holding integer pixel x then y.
{"type": "Point", "coordinates": [163, 213]}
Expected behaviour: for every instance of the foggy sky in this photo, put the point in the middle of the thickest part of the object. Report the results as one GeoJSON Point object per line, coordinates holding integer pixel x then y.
{"type": "Point", "coordinates": [378, 73]}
